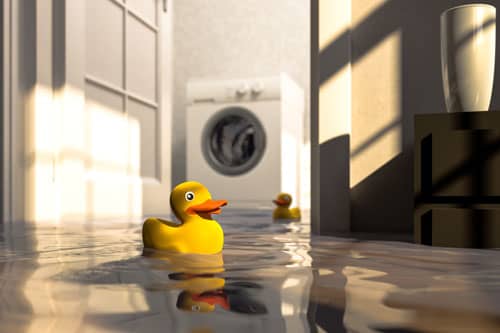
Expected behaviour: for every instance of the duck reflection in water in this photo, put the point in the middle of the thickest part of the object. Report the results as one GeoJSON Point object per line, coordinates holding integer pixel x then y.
{"type": "Point", "coordinates": [203, 288]}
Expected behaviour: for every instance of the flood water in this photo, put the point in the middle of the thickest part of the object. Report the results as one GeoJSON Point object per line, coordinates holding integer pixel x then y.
{"type": "Point", "coordinates": [94, 277]}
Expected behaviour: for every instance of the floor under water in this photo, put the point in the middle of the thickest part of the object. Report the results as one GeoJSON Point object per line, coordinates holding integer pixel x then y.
{"type": "Point", "coordinates": [270, 278]}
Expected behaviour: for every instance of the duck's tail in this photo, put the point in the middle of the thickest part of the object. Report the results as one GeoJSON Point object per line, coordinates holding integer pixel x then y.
{"type": "Point", "coordinates": [295, 212]}
{"type": "Point", "coordinates": [146, 233]}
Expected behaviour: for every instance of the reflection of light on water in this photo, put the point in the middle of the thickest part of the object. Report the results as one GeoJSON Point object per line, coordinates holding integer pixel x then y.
{"type": "Point", "coordinates": [64, 306]}
{"type": "Point", "coordinates": [298, 252]}
{"type": "Point", "coordinates": [295, 245]}
{"type": "Point", "coordinates": [296, 287]}
{"type": "Point", "coordinates": [287, 309]}
{"type": "Point", "coordinates": [357, 255]}
{"type": "Point", "coordinates": [289, 283]}
{"type": "Point", "coordinates": [75, 278]}
{"type": "Point", "coordinates": [364, 306]}
{"type": "Point", "coordinates": [295, 299]}
{"type": "Point", "coordinates": [323, 272]}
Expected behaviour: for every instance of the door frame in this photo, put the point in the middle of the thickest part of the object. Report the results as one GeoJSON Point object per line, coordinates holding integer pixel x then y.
{"type": "Point", "coordinates": [6, 37]}
{"type": "Point", "coordinates": [34, 21]}
{"type": "Point", "coordinates": [2, 126]}
{"type": "Point", "coordinates": [70, 70]}
{"type": "Point", "coordinates": [22, 68]}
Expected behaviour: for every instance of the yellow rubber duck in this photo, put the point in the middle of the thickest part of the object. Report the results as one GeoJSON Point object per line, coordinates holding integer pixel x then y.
{"type": "Point", "coordinates": [283, 210]}
{"type": "Point", "coordinates": [197, 233]}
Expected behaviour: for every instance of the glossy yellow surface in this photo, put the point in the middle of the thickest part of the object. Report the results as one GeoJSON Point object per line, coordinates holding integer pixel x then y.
{"type": "Point", "coordinates": [283, 210]}
{"type": "Point", "coordinates": [197, 233]}
{"type": "Point", "coordinates": [199, 271]}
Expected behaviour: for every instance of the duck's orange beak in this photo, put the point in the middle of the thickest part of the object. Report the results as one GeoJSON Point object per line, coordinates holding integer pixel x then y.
{"type": "Point", "coordinates": [214, 297]}
{"type": "Point", "coordinates": [280, 202]}
{"type": "Point", "coordinates": [208, 207]}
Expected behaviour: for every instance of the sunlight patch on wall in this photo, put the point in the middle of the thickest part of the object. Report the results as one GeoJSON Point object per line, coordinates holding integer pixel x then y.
{"type": "Point", "coordinates": [305, 178]}
{"type": "Point", "coordinates": [115, 187]}
{"type": "Point", "coordinates": [40, 155]}
{"type": "Point", "coordinates": [376, 108]}
{"type": "Point", "coordinates": [293, 177]}
{"type": "Point", "coordinates": [335, 105]}
{"type": "Point", "coordinates": [289, 172]}
{"type": "Point", "coordinates": [334, 20]}
{"type": "Point", "coordinates": [71, 157]}
{"type": "Point", "coordinates": [83, 158]}
{"type": "Point", "coordinates": [335, 93]}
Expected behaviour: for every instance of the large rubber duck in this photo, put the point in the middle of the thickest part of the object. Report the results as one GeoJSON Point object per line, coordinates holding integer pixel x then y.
{"type": "Point", "coordinates": [283, 210]}
{"type": "Point", "coordinates": [197, 233]}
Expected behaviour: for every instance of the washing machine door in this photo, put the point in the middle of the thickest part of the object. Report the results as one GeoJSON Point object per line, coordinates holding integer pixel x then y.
{"type": "Point", "coordinates": [233, 141]}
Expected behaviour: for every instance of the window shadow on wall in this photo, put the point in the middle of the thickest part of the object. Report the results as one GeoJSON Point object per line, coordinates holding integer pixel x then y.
{"type": "Point", "coordinates": [383, 201]}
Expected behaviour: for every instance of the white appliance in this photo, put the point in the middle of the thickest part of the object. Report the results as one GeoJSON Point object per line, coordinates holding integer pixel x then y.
{"type": "Point", "coordinates": [244, 138]}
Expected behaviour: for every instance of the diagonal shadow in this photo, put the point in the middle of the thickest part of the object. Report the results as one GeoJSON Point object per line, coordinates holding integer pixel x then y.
{"type": "Point", "coordinates": [372, 30]}
{"type": "Point", "coordinates": [473, 32]}
{"type": "Point", "coordinates": [374, 138]}
{"type": "Point", "coordinates": [475, 165]}
{"type": "Point", "coordinates": [2, 152]}
{"type": "Point", "coordinates": [421, 92]}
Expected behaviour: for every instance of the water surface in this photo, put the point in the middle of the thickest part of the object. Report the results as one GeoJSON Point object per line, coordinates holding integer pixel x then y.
{"type": "Point", "coordinates": [94, 277]}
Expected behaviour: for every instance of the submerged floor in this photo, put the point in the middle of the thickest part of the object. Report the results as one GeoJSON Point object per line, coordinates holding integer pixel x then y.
{"type": "Point", "coordinates": [270, 278]}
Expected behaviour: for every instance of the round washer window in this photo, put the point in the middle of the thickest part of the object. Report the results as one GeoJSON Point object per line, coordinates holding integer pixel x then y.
{"type": "Point", "coordinates": [233, 141]}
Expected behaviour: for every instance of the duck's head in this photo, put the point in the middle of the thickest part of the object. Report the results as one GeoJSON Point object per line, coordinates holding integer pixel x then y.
{"type": "Point", "coordinates": [204, 302]}
{"type": "Point", "coordinates": [283, 200]}
{"type": "Point", "coordinates": [192, 199]}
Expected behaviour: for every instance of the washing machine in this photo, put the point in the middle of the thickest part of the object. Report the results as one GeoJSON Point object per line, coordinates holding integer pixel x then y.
{"type": "Point", "coordinates": [243, 138]}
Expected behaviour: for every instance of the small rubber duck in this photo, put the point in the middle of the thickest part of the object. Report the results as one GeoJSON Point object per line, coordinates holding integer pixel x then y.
{"type": "Point", "coordinates": [197, 233]}
{"type": "Point", "coordinates": [283, 211]}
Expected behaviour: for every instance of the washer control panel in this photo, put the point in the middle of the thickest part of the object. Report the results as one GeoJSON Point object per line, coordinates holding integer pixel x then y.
{"type": "Point", "coordinates": [234, 90]}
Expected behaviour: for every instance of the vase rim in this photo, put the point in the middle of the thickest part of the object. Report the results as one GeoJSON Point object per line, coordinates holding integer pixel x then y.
{"type": "Point", "coordinates": [470, 5]}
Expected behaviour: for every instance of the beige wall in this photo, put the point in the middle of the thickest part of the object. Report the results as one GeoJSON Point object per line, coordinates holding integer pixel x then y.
{"type": "Point", "coordinates": [376, 103]}
{"type": "Point", "coordinates": [394, 56]}
{"type": "Point", "coordinates": [376, 139]}
{"type": "Point", "coordinates": [335, 90]}
{"type": "Point", "coordinates": [330, 133]}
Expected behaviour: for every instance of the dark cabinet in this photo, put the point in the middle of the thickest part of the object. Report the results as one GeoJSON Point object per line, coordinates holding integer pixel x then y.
{"type": "Point", "coordinates": [457, 179]}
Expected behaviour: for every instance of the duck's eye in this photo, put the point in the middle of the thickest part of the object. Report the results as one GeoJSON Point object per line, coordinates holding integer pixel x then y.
{"type": "Point", "coordinates": [195, 308]}
{"type": "Point", "coordinates": [189, 196]}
